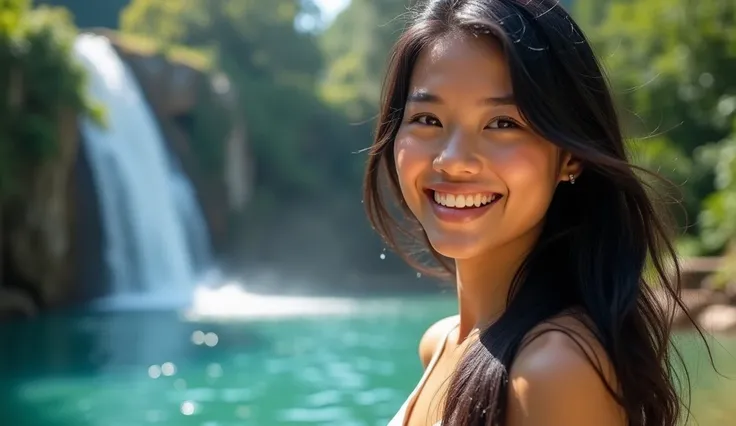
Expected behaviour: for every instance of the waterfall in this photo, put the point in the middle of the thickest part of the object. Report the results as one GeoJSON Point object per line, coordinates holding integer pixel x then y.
{"type": "Point", "coordinates": [156, 237]}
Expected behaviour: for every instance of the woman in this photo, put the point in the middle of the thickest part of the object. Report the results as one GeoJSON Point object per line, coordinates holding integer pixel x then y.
{"type": "Point", "coordinates": [499, 142]}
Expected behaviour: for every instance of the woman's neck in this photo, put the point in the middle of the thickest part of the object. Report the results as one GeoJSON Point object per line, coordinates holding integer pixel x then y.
{"type": "Point", "coordinates": [483, 282]}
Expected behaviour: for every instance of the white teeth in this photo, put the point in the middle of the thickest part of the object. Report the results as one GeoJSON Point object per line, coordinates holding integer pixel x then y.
{"type": "Point", "coordinates": [461, 201]}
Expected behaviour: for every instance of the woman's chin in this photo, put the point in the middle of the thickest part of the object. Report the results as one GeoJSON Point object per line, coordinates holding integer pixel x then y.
{"type": "Point", "coordinates": [457, 248]}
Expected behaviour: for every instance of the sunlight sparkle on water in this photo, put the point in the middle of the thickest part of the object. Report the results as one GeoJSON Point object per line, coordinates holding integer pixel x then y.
{"type": "Point", "coordinates": [188, 408]}
{"type": "Point", "coordinates": [168, 369]}
{"type": "Point", "coordinates": [211, 339]}
{"type": "Point", "coordinates": [198, 337]}
{"type": "Point", "coordinates": [154, 371]}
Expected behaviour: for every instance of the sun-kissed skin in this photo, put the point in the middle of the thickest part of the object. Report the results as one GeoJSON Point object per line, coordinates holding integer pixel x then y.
{"type": "Point", "coordinates": [462, 134]}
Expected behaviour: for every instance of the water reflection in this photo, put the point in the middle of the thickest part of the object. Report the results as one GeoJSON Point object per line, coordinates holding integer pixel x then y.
{"type": "Point", "coordinates": [92, 344]}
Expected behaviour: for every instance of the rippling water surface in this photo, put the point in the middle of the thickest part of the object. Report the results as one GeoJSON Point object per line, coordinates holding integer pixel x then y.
{"type": "Point", "coordinates": [351, 365]}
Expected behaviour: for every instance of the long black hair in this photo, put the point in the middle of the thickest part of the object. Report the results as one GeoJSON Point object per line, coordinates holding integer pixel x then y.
{"type": "Point", "coordinates": [604, 250]}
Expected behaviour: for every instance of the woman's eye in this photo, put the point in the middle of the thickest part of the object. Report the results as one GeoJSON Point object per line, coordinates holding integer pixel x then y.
{"type": "Point", "coordinates": [503, 123]}
{"type": "Point", "coordinates": [426, 120]}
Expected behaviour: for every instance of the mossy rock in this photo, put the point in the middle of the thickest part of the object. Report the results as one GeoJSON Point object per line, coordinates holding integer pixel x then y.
{"type": "Point", "coordinates": [39, 78]}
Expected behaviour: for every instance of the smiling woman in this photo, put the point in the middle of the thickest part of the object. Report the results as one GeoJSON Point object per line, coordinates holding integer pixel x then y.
{"type": "Point", "coordinates": [499, 142]}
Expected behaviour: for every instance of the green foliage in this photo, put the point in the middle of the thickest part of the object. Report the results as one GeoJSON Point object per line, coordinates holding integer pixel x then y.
{"type": "Point", "coordinates": [38, 79]}
{"type": "Point", "coordinates": [718, 218]}
{"type": "Point", "coordinates": [673, 64]}
{"type": "Point", "coordinates": [675, 59]}
{"type": "Point", "coordinates": [211, 126]}
{"type": "Point", "coordinates": [356, 46]}
{"type": "Point", "coordinates": [168, 22]}
{"type": "Point", "coordinates": [199, 59]}
{"type": "Point", "coordinates": [253, 37]}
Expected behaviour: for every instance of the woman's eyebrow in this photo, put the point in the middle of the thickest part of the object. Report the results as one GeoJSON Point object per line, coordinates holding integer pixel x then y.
{"type": "Point", "coordinates": [424, 96]}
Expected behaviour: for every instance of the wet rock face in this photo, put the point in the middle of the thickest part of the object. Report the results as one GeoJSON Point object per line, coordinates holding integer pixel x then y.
{"type": "Point", "coordinates": [171, 88]}
{"type": "Point", "coordinates": [37, 230]}
{"type": "Point", "coordinates": [14, 303]}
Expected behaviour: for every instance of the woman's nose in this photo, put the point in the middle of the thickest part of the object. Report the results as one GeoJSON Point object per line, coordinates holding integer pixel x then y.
{"type": "Point", "coordinates": [458, 157]}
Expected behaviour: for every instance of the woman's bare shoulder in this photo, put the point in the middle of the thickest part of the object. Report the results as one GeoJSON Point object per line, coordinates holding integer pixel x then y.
{"type": "Point", "coordinates": [433, 336]}
{"type": "Point", "coordinates": [562, 376]}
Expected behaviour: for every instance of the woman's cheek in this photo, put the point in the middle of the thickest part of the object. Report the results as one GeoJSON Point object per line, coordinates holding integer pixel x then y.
{"type": "Point", "coordinates": [411, 160]}
{"type": "Point", "coordinates": [529, 174]}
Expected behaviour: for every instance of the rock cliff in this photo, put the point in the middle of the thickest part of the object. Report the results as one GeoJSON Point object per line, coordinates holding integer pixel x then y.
{"type": "Point", "coordinates": [38, 230]}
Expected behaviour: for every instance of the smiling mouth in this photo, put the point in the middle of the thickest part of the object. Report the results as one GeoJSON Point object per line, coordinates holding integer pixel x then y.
{"type": "Point", "coordinates": [464, 201]}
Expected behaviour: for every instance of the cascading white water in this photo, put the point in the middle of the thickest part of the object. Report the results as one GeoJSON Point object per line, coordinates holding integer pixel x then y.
{"type": "Point", "coordinates": [155, 234]}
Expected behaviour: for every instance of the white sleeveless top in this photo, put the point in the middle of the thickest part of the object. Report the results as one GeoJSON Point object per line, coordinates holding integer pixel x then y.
{"type": "Point", "coordinates": [402, 416]}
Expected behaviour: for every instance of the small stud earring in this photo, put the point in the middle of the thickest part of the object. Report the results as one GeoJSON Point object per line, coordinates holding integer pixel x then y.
{"type": "Point", "coordinates": [572, 179]}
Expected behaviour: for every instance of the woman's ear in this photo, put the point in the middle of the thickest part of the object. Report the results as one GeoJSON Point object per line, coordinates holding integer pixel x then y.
{"type": "Point", "coordinates": [570, 168]}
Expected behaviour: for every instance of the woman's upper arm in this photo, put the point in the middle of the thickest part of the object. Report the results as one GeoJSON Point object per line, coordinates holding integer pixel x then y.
{"type": "Point", "coordinates": [553, 383]}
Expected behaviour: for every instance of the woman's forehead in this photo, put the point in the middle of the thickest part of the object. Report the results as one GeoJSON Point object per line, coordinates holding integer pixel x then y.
{"type": "Point", "coordinates": [463, 61]}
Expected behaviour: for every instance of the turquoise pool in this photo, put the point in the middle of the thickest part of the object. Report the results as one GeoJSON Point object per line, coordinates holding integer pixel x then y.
{"type": "Point", "coordinates": [348, 367]}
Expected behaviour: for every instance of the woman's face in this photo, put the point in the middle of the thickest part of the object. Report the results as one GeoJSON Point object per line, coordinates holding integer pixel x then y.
{"type": "Point", "coordinates": [471, 171]}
